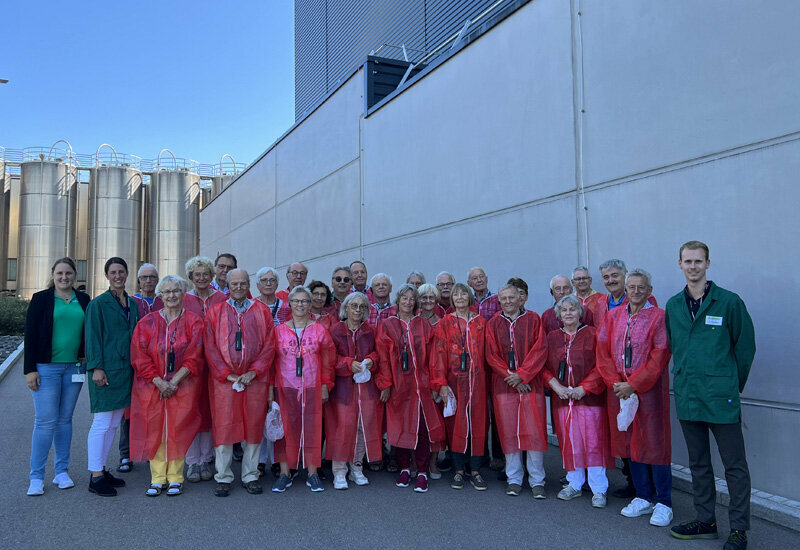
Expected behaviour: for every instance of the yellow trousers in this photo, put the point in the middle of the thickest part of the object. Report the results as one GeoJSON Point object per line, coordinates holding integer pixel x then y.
{"type": "Point", "coordinates": [165, 471]}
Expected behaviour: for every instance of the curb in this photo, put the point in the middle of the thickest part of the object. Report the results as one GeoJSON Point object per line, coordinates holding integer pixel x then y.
{"type": "Point", "coordinates": [11, 361]}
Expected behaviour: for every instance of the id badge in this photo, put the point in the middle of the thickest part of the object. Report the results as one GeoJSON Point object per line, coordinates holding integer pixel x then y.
{"type": "Point", "coordinates": [79, 378]}
{"type": "Point", "coordinates": [171, 361]}
{"type": "Point", "coordinates": [298, 366]}
{"type": "Point", "coordinates": [463, 361]}
{"type": "Point", "coordinates": [512, 363]}
{"type": "Point", "coordinates": [628, 357]}
{"type": "Point", "coordinates": [238, 340]}
{"type": "Point", "coordinates": [404, 359]}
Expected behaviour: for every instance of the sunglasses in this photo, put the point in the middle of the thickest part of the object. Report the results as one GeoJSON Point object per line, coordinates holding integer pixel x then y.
{"type": "Point", "coordinates": [340, 279]}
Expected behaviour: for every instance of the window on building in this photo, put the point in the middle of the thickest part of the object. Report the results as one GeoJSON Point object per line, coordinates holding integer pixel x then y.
{"type": "Point", "coordinates": [81, 270]}
{"type": "Point", "coordinates": [12, 270]}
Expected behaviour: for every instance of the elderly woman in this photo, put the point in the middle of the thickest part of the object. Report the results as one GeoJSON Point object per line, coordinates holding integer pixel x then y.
{"type": "Point", "coordinates": [460, 351]}
{"type": "Point", "coordinates": [323, 309]}
{"type": "Point", "coordinates": [267, 284]}
{"type": "Point", "coordinates": [632, 357]}
{"type": "Point", "coordinates": [408, 385]}
{"type": "Point", "coordinates": [110, 320]}
{"type": "Point", "coordinates": [578, 403]}
{"type": "Point", "coordinates": [167, 358]}
{"type": "Point", "coordinates": [53, 371]}
{"type": "Point", "coordinates": [200, 272]}
{"type": "Point", "coordinates": [303, 376]}
{"type": "Point", "coordinates": [354, 412]}
{"type": "Point", "coordinates": [416, 278]}
{"type": "Point", "coordinates": [428, 301]}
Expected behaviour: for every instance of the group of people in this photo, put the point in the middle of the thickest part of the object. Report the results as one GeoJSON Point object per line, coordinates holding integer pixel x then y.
{"type": "Point", "coordinates": [207, 371]}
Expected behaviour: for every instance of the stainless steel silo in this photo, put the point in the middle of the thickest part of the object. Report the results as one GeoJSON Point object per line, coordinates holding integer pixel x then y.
{"type": "Point", "coordinates": [48, 206]}
{"type": "Point", "coordinates": [174, 214]}
{"type": "Point", "coordinates": [5, 212]}
{"type": "Point", "coordinates": [115, 222]}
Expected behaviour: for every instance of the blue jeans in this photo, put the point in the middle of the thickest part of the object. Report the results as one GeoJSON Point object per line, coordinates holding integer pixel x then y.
{"type": "Point", "coordinates": [53, 403]}
{"type": "Point", "coordinates": [661, 477]}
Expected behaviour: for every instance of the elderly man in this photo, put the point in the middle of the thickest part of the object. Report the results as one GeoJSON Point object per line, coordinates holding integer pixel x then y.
{"type": "Point", "coordinates": [560, 287]}
{"type": "Point", "coordinates": [613, 273]}
{"type": "Point", "coordinates": [444, 282]}
{"type": "Point", "coordinates": [516, 352]}
{"type": "Point", "coordinates": [382, 308]}
{"type": "Point", "coordinates": [146, 298]}
{"type": "Point", "coordinates": [341, 285]}
{"type": "Point", "coordinates": [296, 275]}
{"type": "Point", "coordinates": [358, 271]}
{"type": "Point", "coordinates": [582, 282]}
{"type": "Point", "coordinates": [632, 357]}
{"type": "Point", "coordinates": [486, 303]}
{"type": "Point", "coordinates": [713, 343]}
{"type": "Point", "coordinates": [240, 346]}
{"type": "Point", "coordinates": [224, 263]}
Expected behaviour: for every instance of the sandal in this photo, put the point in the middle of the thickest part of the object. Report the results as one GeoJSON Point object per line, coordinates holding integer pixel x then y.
{"type": "Point", "coordinates": [125, 466]}
{"type": "Point", "coordinates": [392, 467]}
{"type": "Point", "coordinates": [375, 466]}
{"type": "Point", "coordinates": [154, 490]}
{"type": "Point", "coordinates": [174, 489]}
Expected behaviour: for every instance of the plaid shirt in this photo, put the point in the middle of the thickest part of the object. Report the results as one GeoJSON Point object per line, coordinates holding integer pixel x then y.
{"type": "Point", "coordinates": [376, 314]}
{"type": "Point", "coordinates": [489, 305]}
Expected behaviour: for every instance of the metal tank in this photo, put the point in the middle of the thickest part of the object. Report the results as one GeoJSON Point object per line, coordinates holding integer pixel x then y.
{"type": "Point", "coordinates": [174, 215]}
{"type": "Point", "coordinates": [48, 206]}
{"type": "Point", "coordinates": [5, 208]}
{"type": "Point", "coordinates": [115, 218]}
{"type": "Point", "coordinates": [224, 174]}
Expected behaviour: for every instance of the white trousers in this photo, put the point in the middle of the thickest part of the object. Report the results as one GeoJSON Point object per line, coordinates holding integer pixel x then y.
{"type": "Point", "coordinates": [361, 449]}
{"type": "Point", "coordinates": [515, 470]}
{"type": "Point", "coordinates": [598, 481]}
{"type": "Point", "coordinates": [201, 450]}
{"type": "Point", "coordinates": [101, 436]}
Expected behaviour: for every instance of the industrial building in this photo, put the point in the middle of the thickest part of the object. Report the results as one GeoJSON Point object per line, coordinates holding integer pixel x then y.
{"type": "Point", "coordinates": [58, 203]}
{"type": "Point", "coordinates": [546, 134]}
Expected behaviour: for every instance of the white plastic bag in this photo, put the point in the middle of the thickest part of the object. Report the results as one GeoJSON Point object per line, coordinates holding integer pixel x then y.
{"type": "Point", "coordinates": [627, 410]}
{"type": "Point", "coordinates": [274, 429]}
{"type": "Point", "coordinates": [365, 375]}
{"type": "Point", "coordinates": [450, 406]}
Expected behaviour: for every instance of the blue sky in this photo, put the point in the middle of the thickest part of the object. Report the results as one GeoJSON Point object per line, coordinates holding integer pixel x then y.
{"type": "Point", "coordinates": [201, 78]}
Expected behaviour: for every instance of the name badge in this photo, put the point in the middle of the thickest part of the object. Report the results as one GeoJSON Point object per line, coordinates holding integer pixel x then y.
{"type": "Point", "coordinates": [714, 321]}
{"type": "Point", "coordinates": [79, 378]}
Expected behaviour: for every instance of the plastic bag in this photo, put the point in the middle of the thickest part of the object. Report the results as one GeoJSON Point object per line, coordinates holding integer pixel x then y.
{"type": "Point", "coordinates": [450, 407]}
{"type": "Point", "coordinates": [627, 410]}
{"type": "Point", "coordinates": [365, 375]}
{"type": "Point", "coordinates": [274, 424]}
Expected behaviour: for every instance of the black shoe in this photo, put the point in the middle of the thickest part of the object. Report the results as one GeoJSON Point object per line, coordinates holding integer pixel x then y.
{"type": "Point", "coordinates": [695, 530]}
{"type": "Point", "coordinates": [737, 540]}
{"type": "Point", "coordinates": [238, 453]}
{"type": "Point", "coordinates": [222, 489]}
{"type": "Point", "coordinates": [262, 469]}
{"type": "Point", "coordinates": [113, 481]}
{"type": "Point", "coordinates": [99, 486]}
{"type": "Point", "coordinates": [253, 487]}
{"type": "Point", "coordinates": [625, 492]}
{"type": "Point", "coordinates": [321, 474]}
{"type": "Point", "coordinates": [276, 470]}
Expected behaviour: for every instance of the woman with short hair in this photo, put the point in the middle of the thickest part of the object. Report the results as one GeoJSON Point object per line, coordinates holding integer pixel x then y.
{"type": "Point", "coordinates": [267, 284]}
{"type": "Point", "coordinates": [323, 309]}
{"type": "Point", "coordinates": [428, 302]}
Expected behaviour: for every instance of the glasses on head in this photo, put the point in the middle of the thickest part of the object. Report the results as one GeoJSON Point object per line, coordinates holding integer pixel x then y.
{"type": "Point", "coordinates": [340, 279]}
{"type": "Point", "coordinates": [296, 302]}
{"type": "Point", "coordinates": [271, 281]}
{"type": "Point", "coordinates": [238, 285]}
{"type": "Point", "coordinates": [444, 285]}
{"type": "Point", "coordinates": [295, 273]}
{"type": "Point", "coordinates": [171, 291]}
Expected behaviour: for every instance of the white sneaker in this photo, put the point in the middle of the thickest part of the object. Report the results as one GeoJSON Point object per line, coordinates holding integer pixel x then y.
{"type": "Point", "coordinates": [63, 481]}
{"type": "Point", "coordinates": [36, 488]}
{"type": "Point", "coordinates": [339, 482]}
{"type": "Point", "coordinates": [599, 500]}
{"type": "Point", "coordinates": [637, 507]}
{"type": "Point", "coordinates": [358, 478]}
{"type": "Point", "coordinates": [662, 515]}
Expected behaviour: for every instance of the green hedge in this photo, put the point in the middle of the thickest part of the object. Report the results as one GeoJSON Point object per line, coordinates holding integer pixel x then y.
{"type": "Point", "coordinates": [12, 316]}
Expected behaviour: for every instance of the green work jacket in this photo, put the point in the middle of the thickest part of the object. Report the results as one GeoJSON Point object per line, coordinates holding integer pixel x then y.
{"type": "Point", "coordinates": [711, 354]}
{"type": "Point", "coordinates": [108, 346]}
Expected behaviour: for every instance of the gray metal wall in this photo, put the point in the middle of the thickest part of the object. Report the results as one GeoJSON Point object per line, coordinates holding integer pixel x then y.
{"type": "Point", "coordinates": [332, 37]}
{"type": "Point", "coordinates": [670, 121]}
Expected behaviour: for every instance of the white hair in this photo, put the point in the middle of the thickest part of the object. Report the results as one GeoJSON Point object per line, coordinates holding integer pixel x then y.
{"type": "Point", "coordinates": [553, 280]}
{"type": "Point", "coordinates": [416, 274]}
{"type": "Point", "coordinates": [639, 272]}
{"type": "Point", "coordinates": [146, 266]}
{"type": "Point", "coordinates": [182, 283]}
{"type": "Point", "coordinates": [580, 268]}
{"type": "Point", "coordinates": [446, 273]}
{"type": "Point", "coordinates": [380, 276]}
{"type": "Point", "coordinates": [608, 264]}
{"type": "Point", "coordinates": [264, 270]}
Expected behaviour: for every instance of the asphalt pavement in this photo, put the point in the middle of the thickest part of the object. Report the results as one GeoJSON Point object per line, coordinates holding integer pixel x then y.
{"type": "Point", "coordinates": [377, 516]}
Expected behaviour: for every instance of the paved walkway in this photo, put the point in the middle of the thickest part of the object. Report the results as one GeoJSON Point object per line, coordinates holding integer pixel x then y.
{"type": "Point", "coordinates": [377, 516]}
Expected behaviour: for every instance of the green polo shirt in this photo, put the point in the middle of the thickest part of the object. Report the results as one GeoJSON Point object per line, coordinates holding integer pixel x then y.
{"type": "Point", "coordinates": [67, 330]}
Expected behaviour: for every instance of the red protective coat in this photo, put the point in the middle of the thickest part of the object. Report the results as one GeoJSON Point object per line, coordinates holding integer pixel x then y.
{"type": "Point", "coordinates": [349, 401]}
{"type": "Point", "coordinates": [590, 301]}
{"type": "Point", "coordinates": [551, 322]}
{"type": "Point", "coordinates": [521, 418]}
{"type": "Point", "coordinates": [411, 389]}
{"type": "Point", "coordinates": [581, 426]}
{"type": "Point", "coordinates": [327, 320]}
{"type": "Point", "coordinates": [300, 397]}
{"type": "Point", "coordinates": [239, 416]}
{"type": "Point", "coordinates": [468, 427]}
{"type": "Point", "coordinates": [195, 304]}
{"type": "Point", "coordinates": [647, 440]}
{"type": "Point", "coordinates": [279, 310]}
{"type": "Point", "coordinates": [283, 295]}
{"type": "Point", "coordinates": [150, 414]}
{"type": "Point", "coordinates": [601, 307]}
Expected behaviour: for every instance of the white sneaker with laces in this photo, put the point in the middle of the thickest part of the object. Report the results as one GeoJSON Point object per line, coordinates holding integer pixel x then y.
{"type": "Point", "coordinates": [637, 507]}
{"type": "Point", "coordinates": [339, 482]}
{"type": "Point", "coordinates": [599, 500]}
{"type": "Point", "coordinates": [662, 515]}
{"type": "Point", "coordinates": [63, 481]}
{"type": "Point", "coordinates": [36, 488]}
{"type": "Point", "coordinates": [358, 478]}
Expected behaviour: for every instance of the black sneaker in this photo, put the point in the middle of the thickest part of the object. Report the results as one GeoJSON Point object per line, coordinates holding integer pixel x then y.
{"type": "Point", "coordinates": [478, 482]}
{"type": "Point", "coordinates": [253, 487]}
{"type": "Point", "coordinates": [315, 483]}
{"type": "Point", "coordinates": [458, 481]}
{"type": "Point", "coordinates": [222, 490]}
{"type": "Point", "coordinates": [281, 484]}
{"type": "Point", "coordinates": [99, 486]}
{"type": "Point", "coordinates": [113, 481]}
{"type": "Point", "coordinates": [737, 540]}
{"type": "Point", "coordinates": [694, 530]}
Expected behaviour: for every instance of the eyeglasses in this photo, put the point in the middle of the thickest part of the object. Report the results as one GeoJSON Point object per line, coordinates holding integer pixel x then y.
{"type": "Point", "coordinates": [294, 273]}
{"type": "Point", "coordinates": [358, 307]}
{"type": "Point", "coordinates": [581, 279]}
{"type": "Point", "coordinates": [225, 267]}
{"type": "Point", "coordinates": [149, 277]}
{"type": "Point", "coordinates": [636, 288]}
{"type": "Point", "coordinates": [444, 285]}
{"type": "Point", "coordinates": [268, 281]}
{"type": "Point", "coordinates": [319, 295]}
{"type": "Point", "coordinates": [340, 279]}
{"type": "Point", "coordinates": [172, 291]}
{"type": "Point", "coordinates": [238, 285]}
{"type": "Point", "coordinates": [299, 302]}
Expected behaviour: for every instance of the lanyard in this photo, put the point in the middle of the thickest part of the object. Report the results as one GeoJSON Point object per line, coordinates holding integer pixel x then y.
{"type": "Point", "coordinates": [628, 353]}
{"type": "Point", "coordinates": [404, 353]}
{"type": "Point", "coordinates": [463, 337]}
{"type": "Point", "coordinates": [171, 340]}
{"type": "Point", "coordinates": [512, 360]}
{"type": "Point", "coordinates": [566, 362]}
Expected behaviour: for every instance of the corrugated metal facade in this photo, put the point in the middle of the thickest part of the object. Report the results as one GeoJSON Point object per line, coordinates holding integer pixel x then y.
{"type": "Point", "coordinates": [332, 37]}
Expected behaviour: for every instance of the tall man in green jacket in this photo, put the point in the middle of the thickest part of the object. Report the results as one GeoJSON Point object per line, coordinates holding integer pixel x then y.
{"type": "Point", "coordinates": [712, 340]}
